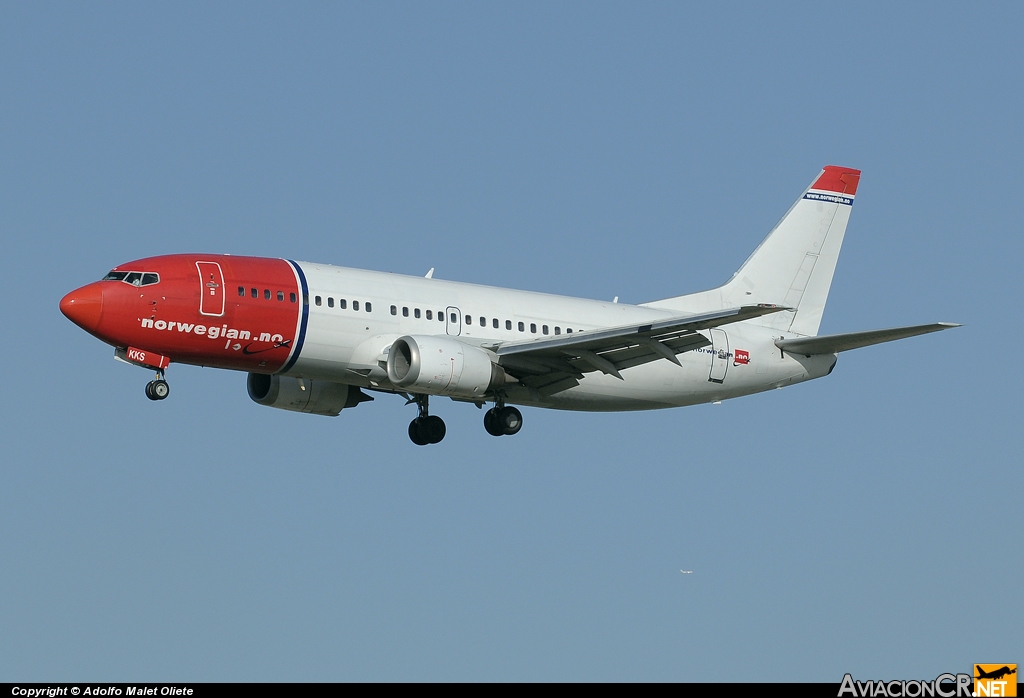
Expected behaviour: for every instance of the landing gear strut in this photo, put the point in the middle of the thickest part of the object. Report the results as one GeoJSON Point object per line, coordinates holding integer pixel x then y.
{"type": "Point", "coordinates": [157, 389]}
{"type": "Point", "coordinates": [502, 421]}
{"type": "Point", "coordinates": [426, 428]}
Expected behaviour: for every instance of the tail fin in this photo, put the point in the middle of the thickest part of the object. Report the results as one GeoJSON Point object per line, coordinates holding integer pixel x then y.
{"type": "Point", "coordinates": [794, 265]}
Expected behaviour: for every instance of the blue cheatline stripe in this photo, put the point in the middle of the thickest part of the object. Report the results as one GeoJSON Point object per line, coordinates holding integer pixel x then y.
{"type": "Point", "coordinates": [829, 197]}
{"type": "Point", "coordinates": [305, 318]}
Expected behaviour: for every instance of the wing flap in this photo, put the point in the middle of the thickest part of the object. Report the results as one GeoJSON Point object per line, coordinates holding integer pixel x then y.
{"type": "Point", "coordinates": [638, 354]}
{"type": "Point", "coordinates": [833, 343]}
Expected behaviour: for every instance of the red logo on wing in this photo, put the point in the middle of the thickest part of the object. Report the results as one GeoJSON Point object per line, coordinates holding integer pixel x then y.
{"type": "Point", "coordinates": [741, 357]}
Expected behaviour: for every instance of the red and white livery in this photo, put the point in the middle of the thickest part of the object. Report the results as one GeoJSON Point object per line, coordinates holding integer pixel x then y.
{"type": "Point", "coordinates": [315, 338]}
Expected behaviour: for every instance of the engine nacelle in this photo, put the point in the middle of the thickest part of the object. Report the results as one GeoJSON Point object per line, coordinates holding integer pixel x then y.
{"type": "Point", "coordinates": [442, 366]}
{"type": "Point", "coordinates": [303, 395]}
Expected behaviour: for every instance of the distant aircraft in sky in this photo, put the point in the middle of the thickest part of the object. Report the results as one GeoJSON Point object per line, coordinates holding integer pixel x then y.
{"type": "Point", "coordinates": [686, 571]}
{"type": "Point", "coordinates": [314, 337]}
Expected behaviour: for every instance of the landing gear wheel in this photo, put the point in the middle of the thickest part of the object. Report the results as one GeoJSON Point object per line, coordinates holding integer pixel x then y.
{"type": "Point", "coordinates": [416, 432]}
{"type": "Point", "coordinates": [427, 430]}
{"type": "Point", "coordinates": [491, 425]}
{"type": "Point", "coordinates": [433, 428]}
{"type": "Point", "coordinates": [159, 389]}
{"type": "Point", "coordinates": [510, 420]}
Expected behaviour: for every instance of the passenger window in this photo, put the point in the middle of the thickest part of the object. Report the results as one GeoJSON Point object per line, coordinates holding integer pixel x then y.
{"type": "Point", "coordinates": [455, 318]}
{"type": "Point", "coordinates": [483, 322]}
{"type": "Point", "coordinates": [330, 302]}
{"type": "Point", "coordinates": [369, 307]}
{"type": "Point", "coordinates": [241, 291]}
{"type": "Point", "coordinates": [342, 303]}
{"type": "Point", "coordinates": [255, 293]}
{"type": "Point", "coordinates": [522, 327]}
{"type": "Point", "coordinates": [416, 313]}
{"type": "Point", "coordinates": [394, 310]}
{"type": "Point", "coordinates": [508, 324]}
{"type": "Point", "coordinates": [405, 311]}
{"type": "Point", "coordinates": [469, 319]}
{"type": "Point", "coordinates": [568, 330]}
{"type": "Point", "coordinates": [494, 323]}
{"type": "Point", "coordinates": [533, 327]}
{"type": "Point", "coordinates": [430, 314]}
{"type": "Point", "coordinates": [440, 315]}
{"type": "Point", "coordinates": [280, 297]}
{"type": "Point", "coordinates": [544, 329]}
{"type": "Point", "coordinates": [316, 300]}
{"type": "Point", "coordinates": [355, 305]}
{"type": "Point", "coordinates": [134, 278]}
{"type": "Point", "coordinates": [291, 297]}
{"type": "Point", "coordinates": [558, 330]}
{"type": "Point", "coordinates": [149, 279]}
{"type": "Point", "coordinates": [266, 294]}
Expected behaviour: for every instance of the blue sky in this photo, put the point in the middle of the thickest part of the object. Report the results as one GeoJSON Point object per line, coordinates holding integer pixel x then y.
{"type": "Point", "coordinates": [860, 523]}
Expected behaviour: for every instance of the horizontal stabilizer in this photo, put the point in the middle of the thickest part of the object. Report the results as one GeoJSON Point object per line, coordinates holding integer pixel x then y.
{"type": "Point", "coordinates": [830, 344]}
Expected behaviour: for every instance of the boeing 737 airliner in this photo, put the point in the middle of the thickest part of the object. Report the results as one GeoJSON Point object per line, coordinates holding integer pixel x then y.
{"type": "Point", "coordinates": [314, 337]}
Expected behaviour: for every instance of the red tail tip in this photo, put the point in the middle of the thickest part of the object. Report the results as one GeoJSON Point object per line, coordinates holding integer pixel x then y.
{"type": "Point", "coordinates": [838, 179]}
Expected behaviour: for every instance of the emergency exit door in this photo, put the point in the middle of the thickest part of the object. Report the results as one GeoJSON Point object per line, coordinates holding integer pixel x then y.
{"type": "Point", "coordinates": [720, 357]}
{"type": "Point", "coordinates": [453, 321]}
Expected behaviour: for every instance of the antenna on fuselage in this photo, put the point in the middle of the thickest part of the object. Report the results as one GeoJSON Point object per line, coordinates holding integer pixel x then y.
{"type": "Point", "coordinates": [430, 274]}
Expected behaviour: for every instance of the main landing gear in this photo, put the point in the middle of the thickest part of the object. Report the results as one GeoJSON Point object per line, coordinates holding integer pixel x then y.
{"type": "Point", "coordinates": [500, 420]}
{"type": "Point", "coordinates": [426, 428]}
{"type": "Point", "coordinates": [157, 389]}
{"type": "Point", "coordinates": [503, 421]}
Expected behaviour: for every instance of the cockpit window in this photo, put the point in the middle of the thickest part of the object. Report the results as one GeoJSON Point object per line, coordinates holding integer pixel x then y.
{"type": "Point", "coordinates": [135, 278]}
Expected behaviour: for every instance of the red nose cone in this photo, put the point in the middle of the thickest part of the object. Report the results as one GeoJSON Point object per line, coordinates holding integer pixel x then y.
{"type": "Point", "coordinates": [83, 306]}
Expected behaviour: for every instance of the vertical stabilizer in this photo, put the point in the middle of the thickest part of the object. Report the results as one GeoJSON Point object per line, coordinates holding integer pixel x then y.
{"type": "Point", "coordinates": [794, 265]}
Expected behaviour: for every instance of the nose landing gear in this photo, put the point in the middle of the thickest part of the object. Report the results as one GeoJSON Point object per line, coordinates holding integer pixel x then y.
{"type": "Point", "coordinates": [502, 420]}
{"type": "Point", "coordinates": [157, 389]}
{"type": "Point", "coordinates": [426, 428]}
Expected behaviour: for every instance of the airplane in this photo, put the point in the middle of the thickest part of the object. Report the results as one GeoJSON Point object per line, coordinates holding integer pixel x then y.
{"type": "Point", "coordinates": [996, 674]}
{"type": "Point", "coordinates": [314, 338]}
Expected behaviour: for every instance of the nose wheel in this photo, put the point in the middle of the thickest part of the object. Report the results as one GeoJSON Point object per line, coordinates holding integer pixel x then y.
{"type": "Point", "coordinates": [158, 389]}
{"type": "Point", "coordinates": [426, 428]}
{"type": "Point", "coordinates": [503, 421]}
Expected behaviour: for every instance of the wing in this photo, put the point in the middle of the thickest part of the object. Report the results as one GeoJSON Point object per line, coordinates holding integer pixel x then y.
{"type": "Point", "coordinates": [553, 364]}
{"type": "Point", "coordinates": [832, 343]}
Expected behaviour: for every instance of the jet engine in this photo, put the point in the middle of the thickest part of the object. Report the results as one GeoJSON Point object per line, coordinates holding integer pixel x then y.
{"type": "Point", "coordinates": [303, 395]}
{"type": "Point", "coordinates": [442, 366]}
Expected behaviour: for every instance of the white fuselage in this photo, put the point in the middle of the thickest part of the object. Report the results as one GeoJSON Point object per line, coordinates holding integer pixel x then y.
{"type": "Point", "coordinates": [346, 345]}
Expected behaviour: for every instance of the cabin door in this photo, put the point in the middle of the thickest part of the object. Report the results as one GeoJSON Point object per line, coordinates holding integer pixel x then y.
{"type": "Point", "coordinates": [211, 282]}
